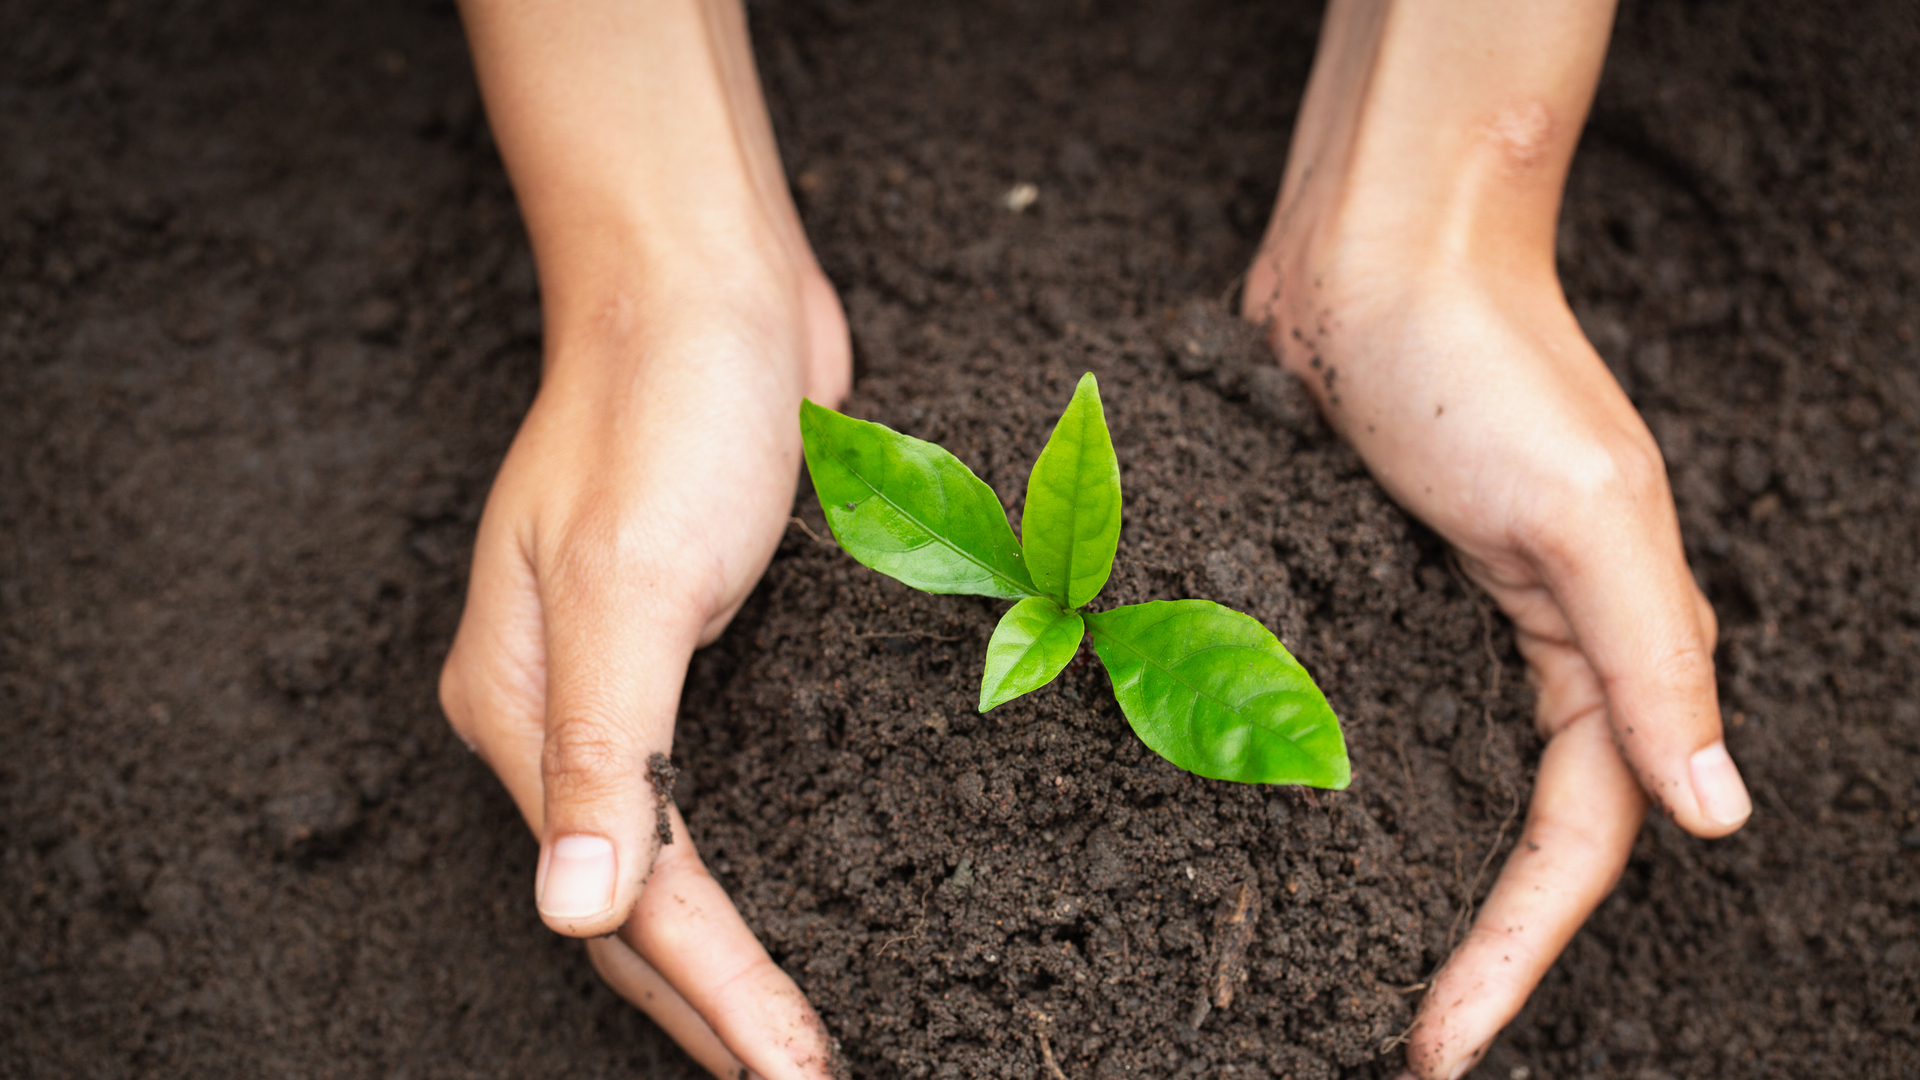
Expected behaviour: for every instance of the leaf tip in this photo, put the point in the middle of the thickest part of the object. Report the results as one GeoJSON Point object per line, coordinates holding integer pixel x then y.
{"type": "Point", "coordinates": [1339, 770]}
{"type": "Point", "coordinates": [990, 701]}
{"type": "Point", "coordinates": [1089, 387]}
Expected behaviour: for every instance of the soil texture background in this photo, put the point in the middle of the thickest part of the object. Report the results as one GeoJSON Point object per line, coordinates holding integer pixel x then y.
{"type": "Point", "coordinates": [268, 323]}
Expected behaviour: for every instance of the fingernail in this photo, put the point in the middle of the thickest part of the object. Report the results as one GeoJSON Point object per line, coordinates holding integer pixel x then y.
{"type": "Point", "coordinates": [1716, 783]}
{"type": "Point", "coordinates": [577, 880]}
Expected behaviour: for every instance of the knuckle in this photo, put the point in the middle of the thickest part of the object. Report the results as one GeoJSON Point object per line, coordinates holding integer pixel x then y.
{"type": "Point", "coordinates": [590, 543]}
{"type": "Point", "coordinates": [453, 693]}
{"type": "Point", "coordinates": [671, 936]}
{"type": "Point", "coordinates": [1613, 471]}
{"type": "Point", "coordinates": [1640, 464]}
{"type": "Point", "coordinates": [1709, 619]}
{"type": "Point", "coordinates": [685, 904]}
{"type": "Point", "coordinates": [1560, 707]}
{"type": "Point", "coordinates": [607, 540]}
{"type": "Point", "coordinates": [681, 864]}
{"type": "Point", "coordinates": [1620, 479]}
{"type": "Point", "coordinates": [752, 979]}
{"type": "Point", "coordinates": [456, 699]}
{"type": "Point", "coordinates": [1687, 667]}
{"type": "Point", "coordinates": [583, 757]}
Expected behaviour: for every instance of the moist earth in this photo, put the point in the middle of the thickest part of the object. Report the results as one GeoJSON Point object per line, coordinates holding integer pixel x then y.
{"type": "Point", "coordinates": [268, 322]}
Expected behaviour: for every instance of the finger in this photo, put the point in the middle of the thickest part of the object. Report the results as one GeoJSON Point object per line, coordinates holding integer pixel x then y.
{"type": "Point", "coordinates": [1636, 614]}
{"type": "Point", "coordinates": [1587, 808]}
{"type": "Point", "coordinates": [619, 636]}
{"type": "Point", "coordinates": [690, 932]}
{"type": "Point", "coordinates": [493, 685]}
{"type": "Point", "coordinates": [494, 690]}
{"type": "Point", "coordinates": [635, 980]}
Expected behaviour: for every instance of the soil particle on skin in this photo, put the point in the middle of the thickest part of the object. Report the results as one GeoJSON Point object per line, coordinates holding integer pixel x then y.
{"type": "Point", "coordinates": [660, 777]}
{"type": "Point", "coordinates": [268, 323]}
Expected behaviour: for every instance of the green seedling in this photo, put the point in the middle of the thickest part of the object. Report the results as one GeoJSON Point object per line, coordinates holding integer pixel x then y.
{"type": "Point", "coordinates": [1204, 686]}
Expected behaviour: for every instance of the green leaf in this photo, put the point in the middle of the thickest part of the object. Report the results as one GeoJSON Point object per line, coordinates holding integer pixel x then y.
{"type": "Point", "coordinates": [1214, 692]}
{"type": "Point", "coordinates": [1034, 640]}
{"type": "Point", "coordinates": [1071, 524]}
{"type": "Point", "coordinates": [909, 509]}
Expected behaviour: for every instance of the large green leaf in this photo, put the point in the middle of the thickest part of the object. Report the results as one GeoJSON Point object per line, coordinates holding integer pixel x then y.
{"type": "Point", "coordinates": [1071, 525]}
{"type": "Point", "coordinates": [909, 509]}
{"type": "Point", "coordinates": [1214, 692]}
{"type": "Point", "coordinates": [1034, 640]}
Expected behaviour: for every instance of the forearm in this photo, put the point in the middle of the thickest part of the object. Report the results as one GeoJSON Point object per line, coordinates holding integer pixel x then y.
{"type": "Point", "coordinates": [640, 151]}
{"type": "Point", "coordinates": [1444, 130]}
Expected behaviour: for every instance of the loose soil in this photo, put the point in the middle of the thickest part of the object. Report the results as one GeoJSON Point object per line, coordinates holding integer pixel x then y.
{"type": "Point", "coordinates": [267, 323]}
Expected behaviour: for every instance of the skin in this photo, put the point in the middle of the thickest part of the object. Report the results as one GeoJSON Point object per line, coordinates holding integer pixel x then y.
{"type": "Point", "coordinates": [1408, 277]}
{"type": "Point", "coordinates": [650, 482]}
{"type": "Point", "coordinates": [1411, 253]}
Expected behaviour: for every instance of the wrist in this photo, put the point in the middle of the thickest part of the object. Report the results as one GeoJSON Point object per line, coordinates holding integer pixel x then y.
{"type": "Point", "coordinates": [677, 362]}
{"type": "Point", "coordinates": [1433, 139]}
{"type": "Point", "coordinates": [625, 286]}
{"type": "Point", "coordinates": [651, 187]}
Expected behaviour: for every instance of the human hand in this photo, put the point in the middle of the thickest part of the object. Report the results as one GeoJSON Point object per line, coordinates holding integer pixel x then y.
{"type": "Point", "coordinates": [1482, 409]}
{"type": "Point", "coordinates": [638, 506]}
{"type": "Point", "coordinates": [1475, 400]}
{"type": "Point", "coordinates": [685, 316]}
{"type": "Point", "coordinates": [1408, 277]}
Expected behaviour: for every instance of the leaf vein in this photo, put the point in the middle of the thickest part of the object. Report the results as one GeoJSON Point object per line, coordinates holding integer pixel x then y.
{"type": "Point", "coordinates": [833, 452]}
{"type": "Point", "coordinates": [1176, 677]}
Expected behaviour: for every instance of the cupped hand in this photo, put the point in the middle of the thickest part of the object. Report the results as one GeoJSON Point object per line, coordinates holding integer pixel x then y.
{"type": "Point", "coordinates": [1473, 397]}
{"type": "Point", "coordinates": [639, 504]}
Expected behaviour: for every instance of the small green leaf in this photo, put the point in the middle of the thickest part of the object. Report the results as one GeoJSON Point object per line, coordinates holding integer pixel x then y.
{"type": "Point", "coordinates": [1034, 640]}
{"type": "Point", "coordinates": [1071, 524]}
{"type": "Point", "coordinates": [1214, 692]}
{"type": "Point", "coordinates": [909, 509]}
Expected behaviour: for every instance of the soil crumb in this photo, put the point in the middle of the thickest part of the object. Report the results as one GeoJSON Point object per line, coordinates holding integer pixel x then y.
{"type": "Point", "coordinates": [661, 775]}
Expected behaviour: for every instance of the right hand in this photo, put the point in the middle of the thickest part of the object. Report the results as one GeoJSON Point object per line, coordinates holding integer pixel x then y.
{"type": "Point", "coordinates": [638, 506]}
{"type": "Point", "coordinates": [685, 316]}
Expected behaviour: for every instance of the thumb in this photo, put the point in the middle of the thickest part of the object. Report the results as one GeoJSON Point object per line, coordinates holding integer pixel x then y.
{"type": "Point", "coordinates": [617, 653]}
{"type": "Point", "coordinates": [1649, 634]}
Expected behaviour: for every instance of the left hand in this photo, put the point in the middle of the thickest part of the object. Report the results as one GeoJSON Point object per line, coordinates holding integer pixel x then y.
{"type": "Point", "coordinates": [1477, 403]}
{"type": "Point", "coordinates": [1408, 276]}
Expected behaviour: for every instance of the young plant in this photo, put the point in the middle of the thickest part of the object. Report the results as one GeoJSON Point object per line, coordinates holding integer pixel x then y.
{"type": "Point", "coordinates": [1204, 686]}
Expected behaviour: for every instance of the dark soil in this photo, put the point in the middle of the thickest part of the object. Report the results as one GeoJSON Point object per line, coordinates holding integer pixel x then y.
{"type": "Point", "coordinates": [267, 323]}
